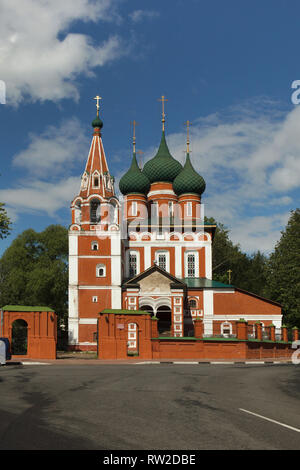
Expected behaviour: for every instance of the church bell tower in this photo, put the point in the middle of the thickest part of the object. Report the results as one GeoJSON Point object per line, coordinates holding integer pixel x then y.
{"type": "Point", "coordinates": [94, 246]}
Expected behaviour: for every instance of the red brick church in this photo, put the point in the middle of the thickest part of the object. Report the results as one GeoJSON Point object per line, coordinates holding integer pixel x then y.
{"type": "Point", "coordinates": [149, 251]}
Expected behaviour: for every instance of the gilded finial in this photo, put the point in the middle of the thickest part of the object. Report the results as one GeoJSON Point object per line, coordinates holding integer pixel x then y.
{"type": "Point", "coordinates": [163, 99]}
{"type": "Point", "coordinates": [97, 98]}
{"type": "Point", "coordinates": [134, 123]}
{"type": "Point", "coordinates": [188, 124]}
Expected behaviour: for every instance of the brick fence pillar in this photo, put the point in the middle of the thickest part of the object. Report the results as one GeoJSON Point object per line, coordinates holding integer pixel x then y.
{"type": "Point", "coordinates": [284, 333]}
{"type": "Point", "coordinates": [198, 328]}
{"type": "Point", "coordinates": [272, 332]}
{"type": "Point", "coordinates": [295, 334]}
{"type": "Point", "coordinates": [258, 331]}
{"type": "Point", "coordinates": [242, 329]}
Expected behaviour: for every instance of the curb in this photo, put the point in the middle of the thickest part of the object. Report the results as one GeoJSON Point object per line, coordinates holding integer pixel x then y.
{"type": "Point", "coordinates": [268, 362]}
{"type": "Point", "coordinates": [212, 362]}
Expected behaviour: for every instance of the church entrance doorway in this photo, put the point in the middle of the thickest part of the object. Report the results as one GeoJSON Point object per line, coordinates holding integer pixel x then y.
{"type": "Point", "coordinates": [164, 323]}
{"type": "Point", "coordinates": [19, 337]}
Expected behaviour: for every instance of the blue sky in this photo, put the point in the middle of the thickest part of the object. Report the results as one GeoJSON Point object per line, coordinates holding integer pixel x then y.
{"type": "Point", "coordinates": [226, 66]}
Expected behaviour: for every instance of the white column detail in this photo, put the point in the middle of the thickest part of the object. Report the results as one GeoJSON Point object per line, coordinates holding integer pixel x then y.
{"type": "Point", "coordinates": [116, 292]}
{"type": "Point", "coordinates": [73, 320]}
{"type": "Point", "coordinates": [208, 261]}
{"type": "Point", "coordinates": [115, 259]}
{"type": "Point", "coordinates": [208, 311]}
{"type": "Point", "coordinates": [147, 257]}
{"type": "Point", "coordinates": [178, 261]}
{"type": "Point", "coordinates": [73, 289]}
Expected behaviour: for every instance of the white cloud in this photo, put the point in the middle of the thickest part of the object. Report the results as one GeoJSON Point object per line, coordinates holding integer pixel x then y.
{"type": "Point", "coordinates": [40, 196]}
{"type": "Point", "coordinates": [260, 232]}
{"type": "Point", "coordinates": [55, 150]}
{"type": "Point", "coordinates": [39, 59]}
{"type": "Point", "coordinates": [139, 15]}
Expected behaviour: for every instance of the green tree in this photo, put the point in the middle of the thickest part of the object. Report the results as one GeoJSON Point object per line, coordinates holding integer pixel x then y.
{"type": "Point", "coordinates": [34, 270]}
{"type": "Point", "coordinates": [248, 271]}
{"type": "Point", "coordinates": [283, 273]}
{"type": "Point", "coordinates": [5, 223]}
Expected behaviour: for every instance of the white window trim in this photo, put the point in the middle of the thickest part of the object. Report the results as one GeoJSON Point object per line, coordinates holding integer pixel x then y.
{"type": "Point", "coordinates": [194, 300]}
{"type": "Point", "coordinates": [163, 252]}
{"type": "Point", "coordinates": [226, 325]}
{"type": "Point", "coordinates": [196, 254]}
{"type": "Point", "coordinates": [100, 266]}
{"type": "Point", "coordinates": [96, 174]}
{"type": "Point", "coordinates": [133, 252]}
{"type": "Point", "coordinates": [92, 245]}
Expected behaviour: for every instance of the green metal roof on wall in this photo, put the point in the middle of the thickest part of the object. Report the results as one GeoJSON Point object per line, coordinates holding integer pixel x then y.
{"type": "Point", "coordinates": [134, 181]}
{"type": "Point", "coordinates": [162, 167]}
{"type": "Point", "coordinates": [188, 180]}
{"type": "Point", "coordinates": [26, 308]}
{"type": "Point", "coordinates": [203, 282]}
{"type": "Point", "coordinates": [124, 311]}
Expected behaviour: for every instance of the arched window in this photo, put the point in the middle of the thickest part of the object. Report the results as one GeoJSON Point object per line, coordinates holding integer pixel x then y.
{"type": "Point", "coordinates": [162, 259]}
{"type": "Point", "coordinates": [94, 246]}
{"type": "Point", "coordinates": [95, 215]}
{"type": "Point", "coordinates": [193, 303]}
{"type": "Point", "coordinates": [191, 265]}
{"type": "Point", "coordinates": [132, 264]}
{"type": "Point", "coordinates": [101, 270]}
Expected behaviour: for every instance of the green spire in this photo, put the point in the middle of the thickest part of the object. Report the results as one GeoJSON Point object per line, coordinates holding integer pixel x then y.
{"type": "Point", "coordinates": [134, 181]}
{"type": "Point", "coordinates": [162, 167]}
{"type": "Point", "coordinates": [188, 180]}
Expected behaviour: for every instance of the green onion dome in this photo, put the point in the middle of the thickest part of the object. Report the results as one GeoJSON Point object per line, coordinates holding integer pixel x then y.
{"type": "Point", "coordinates": [134, 181]}
{"type": "Point", "coordinates": [97, 122]}
{"type": "Point", "coordinates": [162, 167]}
{"type": "Point", "coordinates": [188, 180]}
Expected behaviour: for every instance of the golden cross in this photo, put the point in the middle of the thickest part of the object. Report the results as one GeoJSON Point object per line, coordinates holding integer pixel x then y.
{"type": "Point", "coordinates": [188, 124]}
{"type": "Point", "coordinates": [229, 275]}
{"type": "Point", "coordinates": [97, 98]}
{"type": "Point", "coordinates": [163, 99]}
{"type": "Point", "coordinates": [140, 153]}
{"type": "Point", "coordinates": [134, 123]}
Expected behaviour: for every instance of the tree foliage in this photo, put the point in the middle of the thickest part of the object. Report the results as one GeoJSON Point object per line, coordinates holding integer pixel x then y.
{"type": "Point", "coordinates": [5, 223]}
{"type": "Point", "coordinates": [248, 271]}
{"type": "Point", "coordinates": [34, 271]}
{"type": "Point", "coordinates": [283, 271]}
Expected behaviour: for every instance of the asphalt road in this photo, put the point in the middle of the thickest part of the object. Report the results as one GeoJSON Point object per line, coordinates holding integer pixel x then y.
{"type": "Point", "coordinates": [149, 407]}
